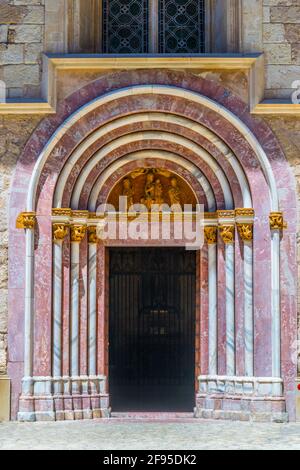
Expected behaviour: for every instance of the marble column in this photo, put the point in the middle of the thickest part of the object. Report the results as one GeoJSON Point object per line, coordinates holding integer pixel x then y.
{"type": "Point", "coordinates": [227, 232]}
{"type": "Point", "coordinates": [245, 230]}
{"type": "Point", "coordinates": [27, 222]}
{"type": "Point", "coordinates": [276, 328]}
{"type": "Point", "coordinates": [29, 305]}
{"type": "Point", "coordinates": [77, 235]}
{"type": "Point", "coordinates": [277, 225]}
{"type": "Point", "coordinates": [248, 309]}
{"type": "Point", "coordinates": [92, 308]}
{"type": "Point", "coordinates": [211, 237]}
{"type": "Point", "coordinates": [59, 233]}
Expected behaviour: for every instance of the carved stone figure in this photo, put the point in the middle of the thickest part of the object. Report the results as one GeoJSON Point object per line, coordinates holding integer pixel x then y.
{"type": "Point", "coordinates": [174, 193]}
{"type": "Point", "coordinates": [128, 192]}
{"type": "Point", "coordinates": [159, 200]}
{"type": "Point", "coordinates": [149, 191]}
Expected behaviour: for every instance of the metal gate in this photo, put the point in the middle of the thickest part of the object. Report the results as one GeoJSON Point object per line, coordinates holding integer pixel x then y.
{"type": "Point", "coordinates": [152, 329]}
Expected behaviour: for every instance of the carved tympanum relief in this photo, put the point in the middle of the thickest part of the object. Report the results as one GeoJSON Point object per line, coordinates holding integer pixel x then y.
{"type": "Point", "coordinates": [153, 187]}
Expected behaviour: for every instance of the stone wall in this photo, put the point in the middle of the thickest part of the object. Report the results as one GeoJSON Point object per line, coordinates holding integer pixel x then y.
{"type": "Point", "coordinates": [21, 45]}
{"type": "Point", "coordinates": [281, 44]}
{"type": "Point", "coordinates": [27, 27]}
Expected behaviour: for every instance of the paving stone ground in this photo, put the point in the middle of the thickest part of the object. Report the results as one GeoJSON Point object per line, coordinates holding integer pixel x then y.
{"type": "Point", "coordinates": [115, 435]}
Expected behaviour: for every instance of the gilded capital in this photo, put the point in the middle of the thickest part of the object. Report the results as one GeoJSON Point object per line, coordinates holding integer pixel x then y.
{"type": "Point", "coordinates": [277, 221]}
{"type": "Point", "coordinates": [245, 232]}
{"type": "Point", "coordinates": [227, 233]}
{"type": "Point", "coordinates": [60, 231]}
{"type": "Point", "coordinates": [93, 238]}
{"type": "Point", "coordinates": [78, 233]}
{"type": "Point", "coordinates": [211, 235]}
{"type": "Point", "coordinates": [26, 221]}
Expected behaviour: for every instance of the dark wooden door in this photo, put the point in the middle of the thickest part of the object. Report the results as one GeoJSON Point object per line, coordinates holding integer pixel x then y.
{"type": "Point", "coordinates": [152, 329]}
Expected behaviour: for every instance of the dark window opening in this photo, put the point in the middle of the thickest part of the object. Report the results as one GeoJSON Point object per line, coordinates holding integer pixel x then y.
{"type": "Point", "coordinates": [125, 26]}
{"type": "Point", "coordinates": [159, 26]}
{"type": "Point", "coordinates": [181, 26]}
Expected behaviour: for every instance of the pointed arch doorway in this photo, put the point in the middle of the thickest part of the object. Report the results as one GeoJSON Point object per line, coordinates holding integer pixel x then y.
{"type": "Point", "coordinates": [152, 329]}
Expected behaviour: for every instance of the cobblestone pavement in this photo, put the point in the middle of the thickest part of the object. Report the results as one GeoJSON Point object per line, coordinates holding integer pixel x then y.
{"type": "Point", "coordinates": [114, 435]}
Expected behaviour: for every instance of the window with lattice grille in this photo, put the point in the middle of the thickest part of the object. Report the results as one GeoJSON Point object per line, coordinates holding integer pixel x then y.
{"type": "Point", "coordinates": [125, 26]}
{"type": "Point", "coordinates": [150, 27]}
{"type": "Point", "coordinates": [163, 26]}
{"type": "Point", "coordinates": [181, 26]}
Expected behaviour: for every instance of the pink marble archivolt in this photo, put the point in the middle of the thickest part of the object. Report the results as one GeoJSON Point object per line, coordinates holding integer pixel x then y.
{"type": "Point", "coordinates": [221, 126]}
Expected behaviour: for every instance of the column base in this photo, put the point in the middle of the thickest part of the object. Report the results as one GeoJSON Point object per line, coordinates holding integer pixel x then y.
{"type": "Point", "coordinates": [241, 399]}
{"type": "Point", "coordinates": [65, 399]}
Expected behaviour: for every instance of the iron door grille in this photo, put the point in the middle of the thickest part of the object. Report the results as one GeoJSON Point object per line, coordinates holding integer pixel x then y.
{"type": "Point", "coordinates": [152, 322]}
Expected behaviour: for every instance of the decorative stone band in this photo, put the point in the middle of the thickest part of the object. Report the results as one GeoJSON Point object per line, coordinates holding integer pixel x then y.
{"type": "Point", "coordinates": [226, 216]}
{"type": "Point", "coordinates": [78, 233]}
{"type": "Point", "coordinates": [62, 213]}
{"type": "Point", "coordinates": [277, 221]}
{"type": "Point", "coordinates": [244, 214]}
{"type": "Point", "coordinates": [26, 221]}
{"type": "Point", "coordinates": [66, 385]}
{"type": "Point", "coordinates": [248, 386]}
{"type": "Point", "coordinates": [241, 398]}
{"type": "Point", "coordinates": [210, 218]}
{"type": "Point", "coordinates": [65, 398]}
{"type": "Point", "coordinates": [63, 217]}
{"type": "Point", "coordinates": [226, 221]}
{"type": "Point", "coordinates": [60, 231]}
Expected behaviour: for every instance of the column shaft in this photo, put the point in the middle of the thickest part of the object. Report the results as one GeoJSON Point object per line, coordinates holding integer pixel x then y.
{"type": "Point", "coordinates": [248, 309]}
{"type": "Point", "coordinates": [75, 309]}
{"type": "Point", "coordinates": [92, 309]}
{"type": "Point", "coordinates": [230, 310]}
{"type": "Point", "coordinates": [212, 294]}
{"type": "Point", "coordinates": [29, 301]}
{"type": "Point", "coordinates": [276, 320]}
{"type": "Point", "coordinates": [57, 309]}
